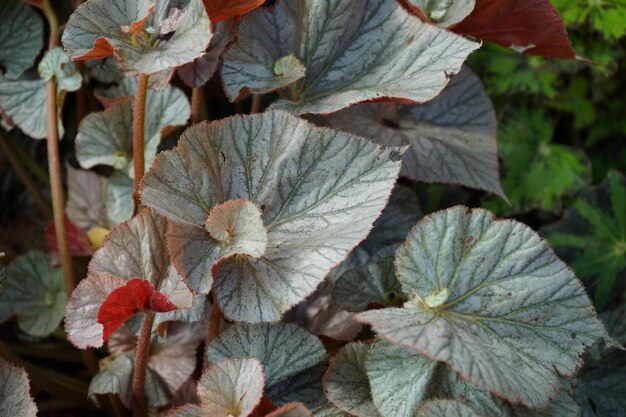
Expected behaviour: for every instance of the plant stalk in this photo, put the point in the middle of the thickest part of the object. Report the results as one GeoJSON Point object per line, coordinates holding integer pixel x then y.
{"type": "Point", "coordinates": [53, 22]}
{"type": "Point", "coordinates": [214, 327]}
{"type": "Point", "coordinates": [24, 176]}
{"type": "Point", "coordinates": [139, 119]}
{"type": "Point", "coordinates": [256, 103]}
{"type": "Point", "coordinates": [142, 353]}
{"type": "Point", "coordinates": [196, 105]}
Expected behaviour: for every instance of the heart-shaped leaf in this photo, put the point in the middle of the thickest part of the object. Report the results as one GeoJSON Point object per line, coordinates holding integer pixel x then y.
{"type": "Point", "coordinates": [346, 384]}
{"type": "Point", "coordinates": [106, 137]}
{"type": "Point", "coordinates": [372, 285]}
{"type": "Point", "coordinates": [592, 235]}
{"type": "Point", "coordinates": [133, 31]}
{"type": "Point", "coordinates": [443, 13]}
{"type": "Point", "coordinates": [537, 172]}
{"type": "Point", "coordinates": [452, 139]}
{"type": "Point", "coordinates": [196, 73]}
{"type": "Point", "coordinates": [315, 207]}
{"type": "Point", "coordinates": [232, 387]}
{"type": "Point", "coordinates": [35, 293]}
{"type": "Point", "coordinates": [529, 26]}
{"type": "Point", "coordinates": [15, 399]}
{"type": "Point", "coordinates": [283, 349]}
{"type": "Point", "coordinates": [329, 49]}
{"type": "Point", "coordinates": [445, 408]}
{"type": "Point", "coordinates": [453, 265]}
{"type": "Point", "coordinates": [219, 10]}
{"type": "Point", "coordinates": [21, 37]}
{"type": "Point", "coordinates": [134, 249]}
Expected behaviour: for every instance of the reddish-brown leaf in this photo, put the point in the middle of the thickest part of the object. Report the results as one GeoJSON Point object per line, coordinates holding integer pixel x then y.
{"type": "Point", "coordinates": [77, 239]}
{"type": "Point", "coordinates": [124, 302]}
{"type": "Point", "coordinates": [223, 9]}
{"type": "Point", "coordinates": [101, 49]}
{"type": "Point", "coordinates": [533, 26]}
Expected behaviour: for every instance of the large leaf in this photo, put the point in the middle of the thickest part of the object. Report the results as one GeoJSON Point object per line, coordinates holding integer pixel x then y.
{"type": "Point", "coordinates": [529, 26]}
{"type": "Point", "coordinates": [15, 399]}
{"type": "Point", "coordinates": [35, 293]}
{"type": "Point", "coordinates": [283, 349]}
{"type": "Point", "coordinates": [106, 137]}
{"type": "Point", "coordinates": [445, 408]}
{"type": "Point", "coordinates": [21, 37]}
{"type": "Point", "coordinates": [592, 236]}
{"type": "Point", "coordinates": [328, 47]}
{"type": "Point", "coordinates": [138, 33]}
{"type": "Point", "coordinates": [315, 206]}
{"type": "Point", "coordinates": [492, 300]}
{"type": "Point", "coordinates": [452, 139]}
{"type": "Point", "coordinates": [135, 249]}
{"type": "Point", "coordinates": [346, 383]}
{"type": "Point", "coordinates": [399, 379]}
{"type": "Point", "coordinates": [537, 172]}
{"type": "Point", "coordinates": [372, 285]}
{"type": "Point", "coordinates": [443, 13]}
{"type": "Point", "coordinates": [231, 388]}
{"type": "Point", "coordinates": [198, 72]}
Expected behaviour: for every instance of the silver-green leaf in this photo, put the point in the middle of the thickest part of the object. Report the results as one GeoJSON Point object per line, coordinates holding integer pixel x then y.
{"type": "Point", "coordinates": [15, 400]}
{"type": "Point", "coordinates": [21, 37]}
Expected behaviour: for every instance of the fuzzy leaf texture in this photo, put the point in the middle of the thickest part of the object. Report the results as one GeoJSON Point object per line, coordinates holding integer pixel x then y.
{"type": "Point", "coordinates": [15, 399]}
{"type": "Point", "coordinates": [314, 205]}
{"type": "Point", "coordinates": [454, 264]}
{"type": "Point", "coordinates": [337, 53]}
{"type": "Point", "coordinates": [21, 37]}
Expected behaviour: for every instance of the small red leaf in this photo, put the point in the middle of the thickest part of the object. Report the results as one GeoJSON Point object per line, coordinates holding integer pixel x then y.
{"type": "Point", "coordinates": [533, 26]}
{"type": "Point", "coordinates": [137, 26]}
{"type": "Point", "coordinates": [223, 9]}
{"type": "Point", "coordinates": [123, 303]}
{"type": "Point", "coordinates": [77, 239]}
{"type": "Point", "coordinates": [101, 49]}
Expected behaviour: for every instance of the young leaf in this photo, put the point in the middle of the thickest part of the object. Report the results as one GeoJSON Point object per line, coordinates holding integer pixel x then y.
{"type": "Point", "coordinates": [56, 64]}
{"type": "Point", "coordinates": [21, 37]}
{"type": "Point", "coordinates": [219, 10]}
{"type": "Point", "coordinates": [445, 408]}
{"type": "Point", "coordinates": [454, 264]}
{"type": "Point", "coordinates": [399, 378]}
{"type": "Point", "coordinates": [106, 137]}
{"type": "Point", "coordinates": [314, 206]}
{"type": "Point", "coordinates": [132, 32]}
{"type": "Point", "coordinates": [231, 388]}
{"type": "Point", "coordinates": [124, 302]}
{"type": "Point", "coordinates": [346, 383]}
{"type": "Point", "coordinates": [15, 399]}
{"type": "Point", "coordinates": [537, 172]}
{"type": "Point", "coordinates": [329, 49]}
{"type": "Point", "coordinates": [443, 13]}
{"type": "Point", "coordinates": [283, 349]}
{"type": "Point", "coordinates": [592, 235]}
{"type": "Point", "coordinates": [35, 293]}
{"type": "Point", "coordinates": [196, 73]}
{"type": "Point", "coordinates": [529, 26]}
{"type": "Point", "coordinates": [114, 377]}
{"type": "Point", "coordinates": [372, 285]}
{"type": "Point", "coordinates": [452, 139]}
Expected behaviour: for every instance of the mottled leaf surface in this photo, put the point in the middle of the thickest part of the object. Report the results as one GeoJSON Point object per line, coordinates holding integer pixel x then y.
{"type": "Point", "coordinates": [443, 13]}
{"type": "Point", "coordinates": [15, 399]}
{"type": "Point", "coordinates": [319, 191]}
{"type": "Point", "coordinates": [346, 383]}
{"type": "Point", "coordinates": [491, 299]}
{"type": "Point", "coordinates": [452, 139]}
{"type": "Point", "coordinates": [283, 349]}
{"type": "Point", "coordinates": [372, 285]}
{"type": "Point", "coordinates": [21, 37]}
{"type": "Point", "coordinates": [131, 31]}
{"type": "Point", "coordinates": [445, 408]}
{"type": "Point", "coordinates": [232, 387]}
{"type": "Point", "coordinates": [35, 293]}
{"type": "Point", "coordinates": [105, 138]}
{"type": "Point", "coordinates": [350, 51]}
{"type": "Point", "coordinates": [592, 235]}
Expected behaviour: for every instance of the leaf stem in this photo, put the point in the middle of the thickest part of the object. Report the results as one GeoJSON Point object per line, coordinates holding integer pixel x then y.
{"type": "Point", "coordinates": [214, 327]}
{"type": "Point", "coordinates": [142, 353]}
{"type": "Point", "coordinates": [196, 105]}
{"type": "Point", "coordinates": [24, 175]}
{"type": "Point", "coordinates": [255, 107]}
{"type": "Point", "coordinates": [53, 22]}
{"type": "Point", "coordinates": [139, 118]}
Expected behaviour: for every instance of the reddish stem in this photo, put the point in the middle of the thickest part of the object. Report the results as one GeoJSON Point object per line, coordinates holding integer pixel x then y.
{"type": "Point", "coordinates": [196, 105]}
{"type": "Point", "coordinates": [142, 353]}
{"type": "Point", "coordinates": [139, 118]}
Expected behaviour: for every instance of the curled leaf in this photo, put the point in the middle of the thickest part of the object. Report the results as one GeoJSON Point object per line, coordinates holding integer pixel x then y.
{"type": "Point", "coordinates": [219, 10]}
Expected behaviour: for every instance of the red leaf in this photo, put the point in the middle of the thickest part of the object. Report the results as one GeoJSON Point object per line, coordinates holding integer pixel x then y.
{"type": "Point", "coordinates": [264, 407]}
{"type": "Point", "coordinates": [531, 24]}
{"type": "Point", "coordinates": [77, 239]}
{"type": "Point", "coordinates": [223, 9]}
{"type": "Point", "coordinates": [123, 303]}
{"type": "Point", "coordinates": [101, 49]}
